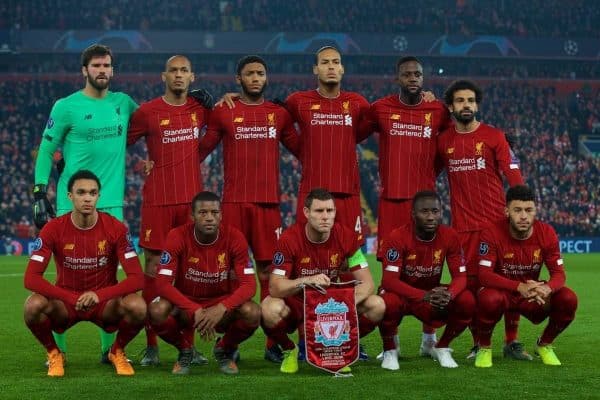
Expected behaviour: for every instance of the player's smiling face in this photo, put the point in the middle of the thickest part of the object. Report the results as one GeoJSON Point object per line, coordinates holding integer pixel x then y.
{"type": "Point", "coordinates": [253, 79]}
{"type": "Point", "coordinates": [98, 72]}
{"type": "Point", "coordinates": [410, 78]}
{"type": "Point", "coordinates": [84, 196]}
{"type": "Point", "coordinates": [207, 217]}
{"type": "Point", "coordinates": [320, 215]}
{"type": "Point", "coordinates": [464, 106]}
{"type": "Point", "coordinates": [329, 68]}
{"type": "Point", "coordinates": [521, 215]}
{"type": "Point", "coordinates": [178, 75]}
{"type": "Point", "coordinates": [427, 213]}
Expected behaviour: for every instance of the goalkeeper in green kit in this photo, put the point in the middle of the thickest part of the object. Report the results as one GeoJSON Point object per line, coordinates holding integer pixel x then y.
{"type": "Point", "coordinates": [91, 127]}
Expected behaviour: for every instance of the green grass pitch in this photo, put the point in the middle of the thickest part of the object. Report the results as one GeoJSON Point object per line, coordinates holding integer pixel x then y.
{"type": "Point", "coordinates": [23, 375]}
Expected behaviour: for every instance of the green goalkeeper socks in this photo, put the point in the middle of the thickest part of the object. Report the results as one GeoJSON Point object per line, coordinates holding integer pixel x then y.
{"type": "Point", "coordinates": [61, 341]}
{"type": "Point", "coordinates": [106, 340]}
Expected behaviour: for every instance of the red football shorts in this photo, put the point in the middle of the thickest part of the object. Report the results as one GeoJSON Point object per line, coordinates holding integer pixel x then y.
{"type": "Point", "coordinates": [392, 214]}
{"type": "Point", "coordinates": [157, 221]}
{"type": "Point", "coordinates": [260, 223]}
{"type": "Point", "coordinates": [94, 315]}
{"type": "Point", "coordinates": [469, 241]}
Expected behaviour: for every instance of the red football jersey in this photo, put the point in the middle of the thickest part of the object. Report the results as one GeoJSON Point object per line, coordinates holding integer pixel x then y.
{"type": "Point", "coordinates": [412, 266]}
{"type": "Point", "coordinates": [328, 137]}
{"type": "Point", "coordinates": [407, 144]}
{"type": "Point", "coordinates": [172, 136]}
{"type": "Point", "coordinates": [504, 261]}
{"type": "Point", "coordinates": [474, 162]}
{"type": "Point", "coordinates": [86, 259]}
{"type": "Point", "coordinates": [296, 256]}
{"type": "Point", "coordinates": [251, 135]}
{"type": "Point", "coordinates": [202, 272]}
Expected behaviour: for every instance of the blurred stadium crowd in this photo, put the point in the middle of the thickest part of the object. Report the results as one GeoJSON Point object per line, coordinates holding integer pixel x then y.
{"type": "Point", "coordinates": [578, 18]}
{"type": "Point", "coordinates": [544, 124]}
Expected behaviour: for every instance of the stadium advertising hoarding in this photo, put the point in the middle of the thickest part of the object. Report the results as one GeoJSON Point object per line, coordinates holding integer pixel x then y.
{"type": "Point", "coordinates": [132, 41]}
{"type": "Point", "coordinates": [573, 245]}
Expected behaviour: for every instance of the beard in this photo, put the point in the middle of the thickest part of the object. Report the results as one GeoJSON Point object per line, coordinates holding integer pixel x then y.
{"type": "Point", "coordinates": [99, 85]}
{"type": "Point", "coordinates": [463, 119]}
{"type": "Point", "coordinates": [253, 95]}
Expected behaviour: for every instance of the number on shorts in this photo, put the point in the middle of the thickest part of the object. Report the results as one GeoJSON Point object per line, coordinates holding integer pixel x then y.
{"type": "Point", "coordinates": [358, 225]}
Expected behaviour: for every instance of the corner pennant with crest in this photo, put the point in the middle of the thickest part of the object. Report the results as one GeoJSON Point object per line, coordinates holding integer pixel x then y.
{"type": "Point", "coordinates": [331, 326]}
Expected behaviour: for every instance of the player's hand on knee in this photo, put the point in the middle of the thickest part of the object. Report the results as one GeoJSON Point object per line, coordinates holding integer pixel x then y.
{"type": "Point", "coordinates": [42, 209]}
{"type": "Point", "coordinates": [438, 297]}
{"type": "Point", "coordinates": [87, 301]}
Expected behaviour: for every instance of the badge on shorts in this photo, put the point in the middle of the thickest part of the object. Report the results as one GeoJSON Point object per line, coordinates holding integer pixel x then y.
{"type": "Point", "coordinates": [278, 259]}
{"type": "Point", "coordinates": [484, 248]}
{"type": "Point", "coordinates": [392, 255]}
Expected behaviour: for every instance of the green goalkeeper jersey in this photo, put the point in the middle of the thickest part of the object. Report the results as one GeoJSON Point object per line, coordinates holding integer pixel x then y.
{"type": "Point", "coordinates": [93, 136]}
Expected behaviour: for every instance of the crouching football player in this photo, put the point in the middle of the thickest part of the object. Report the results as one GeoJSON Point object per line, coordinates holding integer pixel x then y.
{"type": "Point", "coordinates": [314, 252]}
{"type": "Point", "coordinates": [512, 252]}
{"type": "Point", "coordinates": [413, 258]}
{"type": "Point", "coordinates": [87, 245]}
{"type": "Point", "coordinates": [205, 281]}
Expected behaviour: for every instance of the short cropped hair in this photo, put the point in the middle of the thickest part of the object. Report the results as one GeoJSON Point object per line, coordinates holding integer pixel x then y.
{"type": "Point", "coordinates": [205, 196]}
{"type": "Point", "coordinates": [249, 60]}
{"type": "Point", "coordinates": [82, 174]}
{"type": "Point", "coordinates": [425, 194]}
{"type": "Point", "coordinates": [317, 194]}
{"type": "Point", "coordinates": [406, 59]}
{"type": "Point", "coordinates": [322, 49]}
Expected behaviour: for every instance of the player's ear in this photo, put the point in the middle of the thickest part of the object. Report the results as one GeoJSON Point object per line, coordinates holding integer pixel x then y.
{"type": "Point", "coordinates": [306, 212]}
{"type": "Point", "coordinates": [506, 212]}
{"type": "Point", "coordinates": [238, 79]}
{"type": "Point", "coordinates": [315, 70]}
{"type": "Point", "coordinates": [163, 77]}
{"type": "Point", "coordinates": [84, 71]}
{"type": "Point", "coordinates": [193, 77]}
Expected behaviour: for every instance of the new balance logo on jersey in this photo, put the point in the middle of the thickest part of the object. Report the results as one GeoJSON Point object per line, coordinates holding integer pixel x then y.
{"type": "Point", "coordinates": [87, 117]}
{"type": "Point", "coordinates": [480, 163]}
{"type": "Point", "coordinates": [272, 132]}
{"type": "Point", "coordinates": [348, 120]}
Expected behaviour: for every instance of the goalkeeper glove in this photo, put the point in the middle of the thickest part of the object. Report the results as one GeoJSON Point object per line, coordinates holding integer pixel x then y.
{"type": "Point", "coordinates": [42, 209]}
{"type": "Point", "coordinates": [203, 97]}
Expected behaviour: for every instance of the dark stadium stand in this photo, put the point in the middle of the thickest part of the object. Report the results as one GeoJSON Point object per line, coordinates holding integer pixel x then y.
{"type": "Point", "coordinates": [502, 17]}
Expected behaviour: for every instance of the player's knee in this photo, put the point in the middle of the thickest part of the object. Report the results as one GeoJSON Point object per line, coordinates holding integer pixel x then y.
{"type": "Point", "coordinates": [392, 302]}
{"type": "Point", "coordinates": [464, 304]}
{"type": "Point", "coordinates": [135, 307]}
{"type": "Point", "coordinates": [273, 310]}
{"type": "Point", "coordinates": [489, 301]}
{"type": "Point", "coordinates": [158, 311]}
{"type": "Point", "coordinates": [34, 306]}
{"type": "Point", "coordinates": [565, 299]}
{"type": "Point", "coordinates": [250, 312]}
{"type": "Point", "coordinates": [374, 308]}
